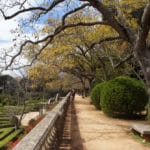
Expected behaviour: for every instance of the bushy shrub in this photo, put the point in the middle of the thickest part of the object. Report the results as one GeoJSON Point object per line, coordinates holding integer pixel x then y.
{"type": "Point", "coordinates": [31, 121]}
{"type": "Point", "coordinates": [123, 97]}
{"type": "Point", "coordinates": [6, 99]}
{"type": "Point", "coordinates": [95, 94]}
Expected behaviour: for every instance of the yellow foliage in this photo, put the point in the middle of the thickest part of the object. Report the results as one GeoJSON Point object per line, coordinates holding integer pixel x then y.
{"type": "Point", "coordinates": [128, 7]}
{"type": "Point", "coordinates": [64, 52]}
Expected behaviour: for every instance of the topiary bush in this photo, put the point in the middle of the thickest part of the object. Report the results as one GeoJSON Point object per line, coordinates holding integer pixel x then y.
{"type": "Point", "coordinates": [123, 97]}
{"type": "Point", "coordinates": [95, 94]}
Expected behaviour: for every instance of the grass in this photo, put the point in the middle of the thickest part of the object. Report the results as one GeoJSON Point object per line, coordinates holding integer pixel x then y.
{"type": "Point", "coordinates": [5, 120]}
{"type": "Point", "coordinates": [1, 110]}
{"type": "Point", "coordinates": [10, 137]}
{"type": "Point", "coordinates": [5, 132]}
{"type": "Point", "coordinates": [141, 140]}
{"type": "Point", "coordinates": [5, 126]}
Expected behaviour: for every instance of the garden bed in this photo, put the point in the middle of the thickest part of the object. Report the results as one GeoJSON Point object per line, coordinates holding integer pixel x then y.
{"type": "Point", "coordinates": [9, 136]}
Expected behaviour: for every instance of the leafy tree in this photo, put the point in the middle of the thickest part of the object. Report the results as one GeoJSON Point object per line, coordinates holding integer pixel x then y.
{"type": "Point", "coordinates": [73, 52]}
{"type": "Point", "coordinates": [116, 14]}
{"type": "Point", "coordinates": [8, 84]}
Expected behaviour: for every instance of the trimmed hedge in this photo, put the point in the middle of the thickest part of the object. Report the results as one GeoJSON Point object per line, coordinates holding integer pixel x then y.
{"type": "Point", "coordinates": [5, 132]}
{"type": "Point", "coordinates": [10, 137]}
{"type": "Point", "coordinates": [96, 93]}
{"type": "Point", "coordinates": [123, 97]}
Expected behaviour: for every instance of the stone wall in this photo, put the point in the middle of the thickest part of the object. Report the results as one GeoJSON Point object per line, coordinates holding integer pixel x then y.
{"type": "Point", "coordinates": [47, 134]}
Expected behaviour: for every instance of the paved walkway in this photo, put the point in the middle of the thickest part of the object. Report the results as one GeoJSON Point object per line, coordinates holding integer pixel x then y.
{"type": "Point", "coordinates": [27, 117]}
{"type": "Point", "coordinates": [89, 129]}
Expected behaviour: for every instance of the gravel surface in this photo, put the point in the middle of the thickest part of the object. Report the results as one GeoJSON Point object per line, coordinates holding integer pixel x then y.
{"type": "Point", "coordinates": [89, 129]}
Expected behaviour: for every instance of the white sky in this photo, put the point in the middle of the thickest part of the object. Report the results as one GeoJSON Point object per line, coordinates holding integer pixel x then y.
{"type": "Point", "coordinates": [6, 37]}
{"type": "Point", "coordinates": [5, 27]}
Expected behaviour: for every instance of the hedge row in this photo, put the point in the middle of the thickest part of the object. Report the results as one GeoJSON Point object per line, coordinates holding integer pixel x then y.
{"type": "Point", "coordinates": [5, 132]}
{"type": "Point", "coordinates": [10, 137]}
{"type": "Point", "coordinates": [120, 97]}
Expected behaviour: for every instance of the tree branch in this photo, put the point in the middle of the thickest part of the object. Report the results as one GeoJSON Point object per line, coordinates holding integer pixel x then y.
{"type": "Point", "coordinates": [21, 5]}
{"type": "Point", "coordinates": [51, 36]}
{"type": "Point", "coordinates": [104, 40]}
{"type": "Point", "coordinates": [143, 30]}
{"type": "Point", "coordinates": [124, 32]}
{"type": "Point", "coordinates": [73, 11]}
{"type": "Point", "coordinates": [55, 2]}
{"type": "Point", "coordinates": [123, 60]}
{"type": "Point", "coordinates": [35, 57]}
{"type": "Point", "coordinates": [60, 28]}
{"type": "Point", "coordinates": [83, 52]}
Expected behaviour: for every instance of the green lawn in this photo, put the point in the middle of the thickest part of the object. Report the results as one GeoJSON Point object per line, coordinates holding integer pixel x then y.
{"type": "Point", "coordinates": [4, 119]}
{"type": "Point", "coordinates": [141, 140]}
{"type": "Point", "coordinates": [5, 131]}
{"type": "Point", "coordinates": [10, 137]}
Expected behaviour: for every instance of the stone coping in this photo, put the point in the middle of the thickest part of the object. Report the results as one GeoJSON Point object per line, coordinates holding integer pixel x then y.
{"type": "Point", "coordinates": [34, 139]}
{"type": "Point", "coordinates": [143, 129]}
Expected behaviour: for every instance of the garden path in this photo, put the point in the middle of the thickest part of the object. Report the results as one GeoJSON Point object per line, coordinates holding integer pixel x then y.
{"type": "Point", "coordinates": [27, 117]}
{"type": "Point", "coordinates": [89, 129]}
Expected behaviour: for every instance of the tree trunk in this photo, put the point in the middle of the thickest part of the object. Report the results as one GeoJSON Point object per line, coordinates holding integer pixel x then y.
{"type": "Point", "coordinates": [143, 57]}
{"type": "Point", "coordinates": [22, 112]}
{"type": "Point", "coordinates": [142, 50]}
{"type": "Point", "coordinates": [104, 69]}
{"type": "Point", "coordinates": [90, 81]}
{"type": "Point", "coordinates": [15, 122]}
{"type": "Point", "coordinates": [24, 102]}
{"type": "Point", "coordinates": [83, 89]}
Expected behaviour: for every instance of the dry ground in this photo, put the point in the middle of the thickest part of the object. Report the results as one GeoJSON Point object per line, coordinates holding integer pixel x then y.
{"type": "Point", "coordinates": [89, 129]}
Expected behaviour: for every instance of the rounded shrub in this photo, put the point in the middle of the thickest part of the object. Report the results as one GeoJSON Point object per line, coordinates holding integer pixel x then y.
{"type": "Point", "coordinates": [95, 94]}
{"type": "Point", "coordinates": [32, 121]}
{"type": "Point", "coordinates": [123, 97]}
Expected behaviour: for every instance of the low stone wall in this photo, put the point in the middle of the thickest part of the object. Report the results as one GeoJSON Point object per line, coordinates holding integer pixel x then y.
{"type": "Point", "coordinates": [48, 133]}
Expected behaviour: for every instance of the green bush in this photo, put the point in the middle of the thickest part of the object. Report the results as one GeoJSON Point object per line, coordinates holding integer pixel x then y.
{"type": "Point", "coordinates": [6, 99]}
{"type": "Point", "coordinates": [95, 94]}
{"type": "Point", "coordinates": [123, 97]}
{"type": "Point", "coordinates": [31, 121]}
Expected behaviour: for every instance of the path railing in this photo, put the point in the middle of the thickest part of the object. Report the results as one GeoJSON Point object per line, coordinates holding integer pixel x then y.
{"type": "Point", "coordinates": [48, 133]}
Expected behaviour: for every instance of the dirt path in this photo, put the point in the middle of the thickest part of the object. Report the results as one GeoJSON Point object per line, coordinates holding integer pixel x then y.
{"type": "Point", "coordinates": [92, 130]}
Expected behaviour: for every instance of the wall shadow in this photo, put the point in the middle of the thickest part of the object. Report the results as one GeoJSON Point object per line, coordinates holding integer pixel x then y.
{"type": "Point", "coordinates": [76, 140]}
{"type": "Point", "coordinates": [71, 139]}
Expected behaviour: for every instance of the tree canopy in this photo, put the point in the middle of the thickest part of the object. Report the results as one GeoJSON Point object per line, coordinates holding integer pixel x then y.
{"type": "Point", "coordinates": [75, 30]}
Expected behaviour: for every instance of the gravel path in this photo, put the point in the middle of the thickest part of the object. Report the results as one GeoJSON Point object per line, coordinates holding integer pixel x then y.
{"type": "Point", "coordinates": [92, 130]}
